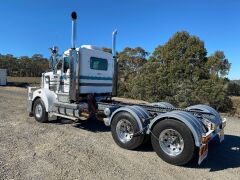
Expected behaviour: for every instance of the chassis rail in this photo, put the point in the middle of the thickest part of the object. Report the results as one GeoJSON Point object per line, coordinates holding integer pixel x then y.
{"type": "Point", "coordinates": [150, 108]}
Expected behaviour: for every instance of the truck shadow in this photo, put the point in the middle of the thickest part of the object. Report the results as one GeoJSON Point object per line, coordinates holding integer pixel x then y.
{"type": "Point", "coordinates": [92, 125]}
{"type": "Point", "coordinates": [18, 84]}
{"type": "Point", "coordinates": [221, 155]}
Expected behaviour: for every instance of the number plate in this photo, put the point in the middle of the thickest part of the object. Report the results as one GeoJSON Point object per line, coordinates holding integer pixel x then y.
{"type": "Point", "coordinates": [221, 135]}
{"type": "Point", "coordinates": [203, 152]}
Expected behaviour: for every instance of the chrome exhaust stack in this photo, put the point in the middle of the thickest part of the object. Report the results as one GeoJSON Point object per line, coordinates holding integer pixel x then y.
{"type": "Point", "coordinates": [114, 35]}
{"type": "Point", "coordinates": [115, 74]}
{"type": "Point", "coordinates": [74, 64]}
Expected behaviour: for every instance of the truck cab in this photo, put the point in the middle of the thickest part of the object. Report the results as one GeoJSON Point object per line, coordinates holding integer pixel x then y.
{"type": "Point", "coordinates": [76, 80]}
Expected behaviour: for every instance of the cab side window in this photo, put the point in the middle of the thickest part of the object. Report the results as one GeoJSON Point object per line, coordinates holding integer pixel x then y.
{"type": "Point", "coordinates": [98, 64]}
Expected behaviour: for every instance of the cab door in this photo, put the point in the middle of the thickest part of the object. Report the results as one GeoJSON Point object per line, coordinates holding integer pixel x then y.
{"type": "Point", "coordinates": [65, 77]}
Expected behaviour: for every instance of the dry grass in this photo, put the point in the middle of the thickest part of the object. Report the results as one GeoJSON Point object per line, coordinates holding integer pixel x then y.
{"type": "Point", "coordinates": [23, 81]}
{"type": "Point", "coordinates": [126, 100]}
{"type": "Point", "coordinates": [236, 105]}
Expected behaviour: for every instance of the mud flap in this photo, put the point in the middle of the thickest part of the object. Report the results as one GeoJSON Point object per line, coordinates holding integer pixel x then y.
{"type": "Point", "coordinates": [221, 133]}
{"type": "Point", "coordinates": [203, 152]}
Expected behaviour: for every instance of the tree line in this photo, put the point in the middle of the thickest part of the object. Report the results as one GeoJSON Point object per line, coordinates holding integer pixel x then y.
{"type": "Point", "coordinates": [24, 66]}
{"type": "Point", "coordinates": [179, 72]}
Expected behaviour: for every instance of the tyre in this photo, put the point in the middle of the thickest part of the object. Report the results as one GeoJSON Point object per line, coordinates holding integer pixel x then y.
{"type": "Point", "coordinates": [123, 127]}
{"type": "Point", "coordinates": [172, 140]}
{"type": "Point", "coordinates": [39, 111]}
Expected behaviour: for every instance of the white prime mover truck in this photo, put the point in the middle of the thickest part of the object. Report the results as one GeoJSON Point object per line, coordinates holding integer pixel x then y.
{"type": "Point", "coordinates": [81, 84]}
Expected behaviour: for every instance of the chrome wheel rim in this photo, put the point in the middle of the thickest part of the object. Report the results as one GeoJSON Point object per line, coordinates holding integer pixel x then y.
{"type": "Point", "coordinates": [38, 111]}
{"type": "Point", "coordinates": [124, 130]}
{"type": "Point", "coordinates": [171, 142]}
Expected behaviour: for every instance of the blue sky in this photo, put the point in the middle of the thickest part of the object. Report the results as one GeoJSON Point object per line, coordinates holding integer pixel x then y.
{"type": "Point", "coordinates": [28, 27]}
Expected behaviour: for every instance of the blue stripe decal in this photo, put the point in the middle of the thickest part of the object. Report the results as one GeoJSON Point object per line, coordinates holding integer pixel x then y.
{"type": "Point", "coordinates": [88, 77]}
{"type": "Point", "coordinates": [95, 78]}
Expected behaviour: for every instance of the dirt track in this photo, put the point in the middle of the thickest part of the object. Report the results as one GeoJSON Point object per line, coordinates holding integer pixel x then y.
{"type": "Point", "coordinates": [65, 150]}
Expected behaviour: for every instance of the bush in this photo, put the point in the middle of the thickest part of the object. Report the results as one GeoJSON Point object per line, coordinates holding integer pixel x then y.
{"type": "Point", "coordinates": [233, 89]}
{"type": "Point", "coordinates": [180, 72]}
{"type": "Point", "coordinates": [214, 93]}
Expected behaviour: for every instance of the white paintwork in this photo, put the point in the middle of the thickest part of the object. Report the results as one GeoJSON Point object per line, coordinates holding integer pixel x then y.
{"type": "Point", "coordinates": [47, 96]}
{"type": "Point", "coordinates": [85, 53]}
{"type": "Point", "coordinates": [54, 79]}
{"type": "Point", "coordinates": [3, 77]}
{"type": "Point", "coordinates": [91, 47]}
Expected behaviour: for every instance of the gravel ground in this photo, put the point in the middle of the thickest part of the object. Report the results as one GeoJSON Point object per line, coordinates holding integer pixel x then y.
{"type": "Point", "coordinates": [86, 150]}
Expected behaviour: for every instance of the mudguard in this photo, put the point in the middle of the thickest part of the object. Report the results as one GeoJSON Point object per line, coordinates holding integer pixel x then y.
{"type": "Point", "coordinates": [204, 108]}
{"type": "Point", "coordinates": [195, 126]}
{"type": "Point", "coordinates": [140, 115]}
{"type": "Point", "coordinates": [47, 96]}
